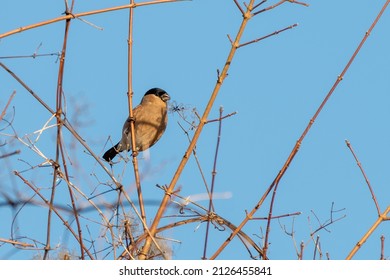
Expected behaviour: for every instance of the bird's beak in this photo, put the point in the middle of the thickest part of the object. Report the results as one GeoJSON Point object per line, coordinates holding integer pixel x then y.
{"type": "Point", "coordinates": [165, 97]}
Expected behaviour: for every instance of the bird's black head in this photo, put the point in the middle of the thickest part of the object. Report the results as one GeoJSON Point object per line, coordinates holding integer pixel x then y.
{"type": "Point", "coordinates": [160, 93]}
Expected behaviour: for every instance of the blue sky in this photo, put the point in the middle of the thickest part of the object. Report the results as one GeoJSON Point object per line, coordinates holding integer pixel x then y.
{"type": "Point", "coordinates": [275, 86]}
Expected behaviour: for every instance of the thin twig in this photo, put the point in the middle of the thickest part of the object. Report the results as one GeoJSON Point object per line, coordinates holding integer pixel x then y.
{"type": "Point", "coordinates": [382, 257]}
{"type": "Point", "coordinates": [298, 2]}
{"type": "Point", "coordinates": [221, 118]}
{"type": "Point", "coordinates": [269, 7]}
{"type": "Point", "coordinates": [328, 222]}
{"type": "Point", "coordinates": [365, 176]}
{"type": "Point", "coordinates": [317, 246]}
{"type": "Point", "coordinates": [10, 154]}
{"type": "Point", "coordinates": [91, 24]}
{"type": "Point", "coordinates": [259, 4]}
{"type": "Point", "coordinates": [269, 35]}
{"type": "Point", "coordinates": [302, 247]}
{"type": "Point", "coordinates": [13, 242]}
{"type": "Point", "coordinates": [6, 106]}
{"type": "Point", "coordinates": [276, 217]}
{"type": "Point", "coordinates": [214, 174]}
{"type": "Point", "coordinates": [278, 4]}
{"type": "Point", "coordinates": [239, 7]}
{"type": "Point", "coordinates": [34, 55]}
{"type": "Point", "coordinates": [268, 228]}
{"type": "Point", "coordinates": [197, 161]}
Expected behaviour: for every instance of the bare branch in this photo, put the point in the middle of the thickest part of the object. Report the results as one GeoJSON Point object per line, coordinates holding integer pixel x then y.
{"type": "Point", "coordinates": [382, 247]}
{"type": "Point", "coordinates": [381, 218]}
{"type": "Point", "coordinates": [10, 154]}
{"type": "Point", "coordinates": [69, 16]}
{"type": "Point", "coordinates": [13, 242]}
{"type": "Point", "coordinates": [276, 5]}
{"type": "Point", "coordinates": [6, 106]}
{"type": "Point", "coordinates": [221, 118]}
{"type": "Point", "coordinates": [276, 217]}
{"type": "Point", "coordinates": [269, 35]}
{"type": "Point", "coordinates": [302, 247]}
{"type": "Point", "coordinates": [365, 176]}
{"type": "Point", "coordinates": [214, 175]}
{"type": "Point", "coordinates": [328, 222]}
{"type": "Point", "coordinates": [258, 5]}
{"type": "Point", "coordinates": [239, 7]}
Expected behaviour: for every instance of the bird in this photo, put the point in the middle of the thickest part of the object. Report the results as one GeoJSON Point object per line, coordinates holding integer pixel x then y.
{"type": "Point", "coordinates": [150, 121]}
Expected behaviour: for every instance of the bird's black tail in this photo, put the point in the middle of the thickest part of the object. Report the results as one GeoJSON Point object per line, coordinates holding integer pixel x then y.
{"type": "Point", "coordinates": [111, 153]}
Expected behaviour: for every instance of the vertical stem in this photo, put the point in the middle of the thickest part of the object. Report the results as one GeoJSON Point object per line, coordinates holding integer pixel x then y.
{"type": "Point", "coordinates": [131, 115]}
{"type": "Point", "coordinates": [214, 173]}
{"type": "Point", "coordinates": [59, 125]}
{"type": "Point", "coordinates": [49, 214]}
{"type": "Point", "coordinates": [382, 247]}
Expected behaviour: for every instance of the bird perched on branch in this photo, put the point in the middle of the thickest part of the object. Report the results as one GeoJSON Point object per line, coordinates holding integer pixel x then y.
{"type": "Point", "coordinates": [150, 121]}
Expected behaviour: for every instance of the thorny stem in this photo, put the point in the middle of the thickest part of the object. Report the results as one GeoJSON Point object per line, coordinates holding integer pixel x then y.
{"type": "Point", "coordinates": [277, 4]}
{"type": "Point", "coordinates": [278, 217]}
{"type": "Point", "coordinates": [269, 35]}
